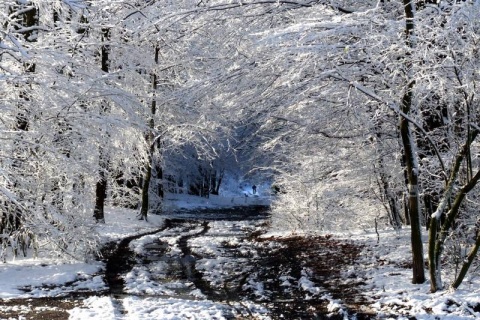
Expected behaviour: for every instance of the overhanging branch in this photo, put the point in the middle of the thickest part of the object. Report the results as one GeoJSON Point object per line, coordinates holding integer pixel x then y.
{"type": "Point", "coordinates": [392, 106]}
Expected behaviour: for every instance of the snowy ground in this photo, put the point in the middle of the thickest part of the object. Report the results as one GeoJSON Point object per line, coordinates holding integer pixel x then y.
{"type": "Point", "coordinates": [385, 267]}
{"type": "Point", "coordinates": [382, 269]}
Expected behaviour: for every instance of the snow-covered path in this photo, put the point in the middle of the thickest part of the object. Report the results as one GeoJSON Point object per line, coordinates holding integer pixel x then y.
{"type": "Point", "coordinates": [162, 274]}
{"type": "Point", "coordinates": [212, 264]}
{"type": "Point", "coordinates": [218, 264]}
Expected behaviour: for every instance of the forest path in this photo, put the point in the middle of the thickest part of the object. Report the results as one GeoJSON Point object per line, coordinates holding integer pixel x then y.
{"type": "Point", "coordinates": [220, 256]}
{"type": "Point", "coordinates": [218, 264]}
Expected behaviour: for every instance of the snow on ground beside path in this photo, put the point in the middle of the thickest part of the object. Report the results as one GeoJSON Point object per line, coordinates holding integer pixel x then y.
{"type": "Point", "coordinates": [384, 269]}
{"type": "Point", "coordinates": [40, 273]}
{"type": "Point", "coordinates": [121, 223]}
{"type": "Point", "coordinates": [35, 274]}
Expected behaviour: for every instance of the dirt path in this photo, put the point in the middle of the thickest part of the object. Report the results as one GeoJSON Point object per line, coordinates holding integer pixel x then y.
{"type": "Point", "coordinates": [38, 308]}
{"type": "Point", "coordinates": [292, 278]}
{"type": "Point", "coordinates": [120, 260]}
{"type": "Point", "coordinates": [317, 261]}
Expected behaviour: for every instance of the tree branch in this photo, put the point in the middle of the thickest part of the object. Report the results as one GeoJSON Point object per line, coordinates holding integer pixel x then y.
{"type": "Point", "coordinates": [392, 106]}
{"type": "Point", "coordinates": [314, 131]}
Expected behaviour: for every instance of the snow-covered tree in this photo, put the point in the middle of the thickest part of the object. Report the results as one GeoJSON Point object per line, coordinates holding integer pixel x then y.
{"type": "Point", "coordinates": [365, 60]}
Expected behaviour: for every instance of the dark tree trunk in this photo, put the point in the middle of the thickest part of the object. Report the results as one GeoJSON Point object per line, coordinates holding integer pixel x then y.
{"type": "Point", "coordinates": [145, 190]}
{"type": "Point", "coordinates": [160, 189]}
{"type": "Point", "coordinates": [100, 196]}
{"type": "Point", "coordinates": [150, 140]}
{"type": "Point", "coordinates": [410, 156]}
{"type": "Point", "coordinates": [413, 194]}
{"type": "Point", "coordinates": [12, 214]}
{"type": "Point", "coordinates": [101, 186]}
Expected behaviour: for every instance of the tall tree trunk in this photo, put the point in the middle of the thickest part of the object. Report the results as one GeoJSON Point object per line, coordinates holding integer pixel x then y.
{"type": "Point", "coordinates": [410, 156]}
{"type": "Point", "coordinates": [27, 20]}
{"type": "Point", "coordinates": [24, 18]}
{"type": "Point", "coordinates": [413, 194]}
{"type": "Point", "coordinates": [150, 141]}
{"type": "Point", "coordinates": [101, 186]}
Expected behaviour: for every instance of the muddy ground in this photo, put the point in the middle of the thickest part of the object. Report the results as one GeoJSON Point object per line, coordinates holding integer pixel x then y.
{"type": "Point", "coordinates": [280, 265]}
